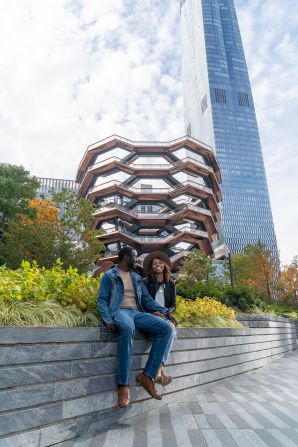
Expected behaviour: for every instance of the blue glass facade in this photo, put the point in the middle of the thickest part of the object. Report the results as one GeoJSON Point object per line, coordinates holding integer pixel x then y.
{"type": "Point", "coordinates": [219, 111]}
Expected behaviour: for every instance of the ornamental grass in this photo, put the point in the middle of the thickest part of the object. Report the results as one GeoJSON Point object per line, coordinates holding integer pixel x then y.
{"type": "Point", "coordinates": [45, 314]}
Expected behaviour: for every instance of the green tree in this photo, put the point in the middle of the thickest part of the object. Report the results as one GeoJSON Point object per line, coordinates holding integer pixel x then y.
{"type": "Point", "coordinates": [258, 268]}
{"type": "Point", "coordinates": [79, 245]}
{"type": "Point", "coordinates": [17, 188]}
{"type": "Point", "coordinates": [30, 240]}
{"type": "Point", "coordinates": [49, 235]}
{"type": "Point", "coordinates": [196, 267]}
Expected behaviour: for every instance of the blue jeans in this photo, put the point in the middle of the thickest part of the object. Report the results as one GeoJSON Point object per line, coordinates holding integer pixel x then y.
{"type": "Point", "coordinates": [127, 320]}
{"type": "Point", "coordinates": [169, 345]}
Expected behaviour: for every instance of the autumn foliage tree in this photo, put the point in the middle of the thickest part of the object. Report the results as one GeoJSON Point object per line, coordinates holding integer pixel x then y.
{"type": "Point", "coordinates": [32, 238]}
{"type": "Point", "coordinates": [258, 268]}
{"type": "Point", "coordinates": [288, 282]}
{"type": "Point", "coordinates": [56, 230]}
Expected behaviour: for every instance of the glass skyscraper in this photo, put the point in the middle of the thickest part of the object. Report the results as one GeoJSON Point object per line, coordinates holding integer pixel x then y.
{"type": "Point", "coordinates": [219, 111]}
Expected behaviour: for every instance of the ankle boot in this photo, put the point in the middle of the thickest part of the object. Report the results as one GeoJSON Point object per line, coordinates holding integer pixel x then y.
{"type": "Point", "coordinates": [161, 378]}
{"type": "Point", "coordinates": [123, 396]}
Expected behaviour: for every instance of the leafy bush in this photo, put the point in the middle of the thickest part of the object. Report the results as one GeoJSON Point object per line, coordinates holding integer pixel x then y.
{"type": "Point", "coordinates": [45, 314]}
{"type": "Point", "coordinates": [212, 288]}
{"type": "Point", "coordinates": [31, 283]}
{"type": "Point", "coordinates": [204, 312]}
{"type": "Point", "coordinates": [241, 298]}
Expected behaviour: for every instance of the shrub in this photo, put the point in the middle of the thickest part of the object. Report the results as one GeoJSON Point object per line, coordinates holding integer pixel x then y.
{"type": "Point", "coordinates": [204, 312]}
{"type": "Point", "coordinates": [31, 283]}
{"type": "Point", "coordinates": [241, 298]}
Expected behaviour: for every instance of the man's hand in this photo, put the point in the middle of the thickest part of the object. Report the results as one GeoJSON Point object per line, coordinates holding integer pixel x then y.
{"type": "Point", "coordinates": [160, 315]}
{"type": "Point", "coordinates": [112, 328]}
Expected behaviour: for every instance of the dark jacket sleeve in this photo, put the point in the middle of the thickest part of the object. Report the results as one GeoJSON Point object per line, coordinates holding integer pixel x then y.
{"type": "Point", "coordinates": [172, 302]}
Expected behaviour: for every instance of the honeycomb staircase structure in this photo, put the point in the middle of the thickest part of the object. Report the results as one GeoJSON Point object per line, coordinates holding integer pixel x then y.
{"type": "Point", "coordinates": [153, 195]}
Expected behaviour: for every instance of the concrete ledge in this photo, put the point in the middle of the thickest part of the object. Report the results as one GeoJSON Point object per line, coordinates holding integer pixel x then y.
{"type": "Point", "coordinates": [55, 383]}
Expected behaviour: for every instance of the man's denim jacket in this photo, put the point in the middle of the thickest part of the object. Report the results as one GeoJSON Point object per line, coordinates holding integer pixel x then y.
{"type": "Point", "coordinates": [111, 293]}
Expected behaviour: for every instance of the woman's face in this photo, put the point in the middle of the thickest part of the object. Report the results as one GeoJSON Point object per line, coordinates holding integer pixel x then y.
{"type": "Point", "coordinates": [157, 266]}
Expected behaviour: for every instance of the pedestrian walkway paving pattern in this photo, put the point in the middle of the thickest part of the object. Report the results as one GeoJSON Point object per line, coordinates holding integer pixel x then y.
{"type": "Point", "coordinates": [255, 409]}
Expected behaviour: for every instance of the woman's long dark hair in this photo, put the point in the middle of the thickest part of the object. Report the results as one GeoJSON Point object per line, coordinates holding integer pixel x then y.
{"type": "Point", "coordinates": [166, 271]}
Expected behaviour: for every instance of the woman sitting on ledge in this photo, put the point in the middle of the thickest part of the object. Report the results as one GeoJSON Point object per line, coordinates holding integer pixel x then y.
{"type": "Point", "coordinates": [157, 268]}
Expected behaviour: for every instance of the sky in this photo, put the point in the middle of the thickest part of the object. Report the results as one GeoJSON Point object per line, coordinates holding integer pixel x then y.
{"type": "Point", "coordinates": [76, 71]}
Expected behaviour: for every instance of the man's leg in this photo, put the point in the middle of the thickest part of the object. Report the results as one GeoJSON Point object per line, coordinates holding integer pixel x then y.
{"type": "Point", "coordinates": [124, 320]}
{"type": "Point", "coordinates": [162, 333]}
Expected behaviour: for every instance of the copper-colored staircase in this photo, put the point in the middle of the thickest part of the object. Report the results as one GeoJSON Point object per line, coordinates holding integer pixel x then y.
{"type": "Point", "coordinates": [175, 216]}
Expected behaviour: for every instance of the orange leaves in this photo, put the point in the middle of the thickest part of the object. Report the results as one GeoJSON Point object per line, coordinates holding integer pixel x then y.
{"type": "Point", "coordinates": [289, 279]}
{"type": "Point", "coordinates": [257, 267]}
{"type": "Point", "coordinates": [47, 210]}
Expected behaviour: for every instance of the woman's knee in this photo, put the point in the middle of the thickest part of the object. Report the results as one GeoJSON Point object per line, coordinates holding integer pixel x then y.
{"type": "Point", "coordinates": [169, 329]}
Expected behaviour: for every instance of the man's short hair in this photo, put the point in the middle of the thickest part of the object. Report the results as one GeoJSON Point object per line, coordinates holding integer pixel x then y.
{"type": "Point", "coordinates": [125, 251]}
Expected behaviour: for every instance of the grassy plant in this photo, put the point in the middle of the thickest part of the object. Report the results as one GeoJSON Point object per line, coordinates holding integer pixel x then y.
{"type": "Point", "coordinates": [282, 310]}
{"type": "Point", "coordinates": [214, 322]}
{"type": "Point", "coordinates": [45, 314]}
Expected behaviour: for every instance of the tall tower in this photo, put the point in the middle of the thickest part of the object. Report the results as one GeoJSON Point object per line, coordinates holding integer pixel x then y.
{"type": "Point", "coordinates": [219, 111]}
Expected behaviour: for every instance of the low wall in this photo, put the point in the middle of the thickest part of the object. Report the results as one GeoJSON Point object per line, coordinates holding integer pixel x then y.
{"type": "Point", "coordinates": [56, 383]}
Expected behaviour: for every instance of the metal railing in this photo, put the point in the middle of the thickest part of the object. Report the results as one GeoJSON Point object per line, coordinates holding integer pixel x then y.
{"type": "Point", "coordinates": [153, 215]}
{"type": "Point", "coordinates": [151, 191]}
{"type": "Point", "coordinates": [156, 238]}
{"type": "Point", "coordinates": [149, 143]}
{"type": "Point", "coordinates": [152, 166]}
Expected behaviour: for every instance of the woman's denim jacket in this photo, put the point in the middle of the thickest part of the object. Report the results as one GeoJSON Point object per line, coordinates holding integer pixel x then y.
{"type": "Point", "coordinates": [111, 293]}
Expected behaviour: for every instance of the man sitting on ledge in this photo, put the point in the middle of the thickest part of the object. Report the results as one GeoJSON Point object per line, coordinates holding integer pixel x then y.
{"type": "Point", "coordinates": [125, 304]}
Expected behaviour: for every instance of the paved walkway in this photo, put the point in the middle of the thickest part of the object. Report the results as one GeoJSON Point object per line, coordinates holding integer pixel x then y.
{"type": "Point", "coordinates": [256, 409]}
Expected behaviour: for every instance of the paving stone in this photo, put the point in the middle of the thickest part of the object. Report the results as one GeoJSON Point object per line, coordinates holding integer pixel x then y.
{"type": "Point", "coordinates": [233, 423]}
{"type": "Point", "coordinates": [80, 375]}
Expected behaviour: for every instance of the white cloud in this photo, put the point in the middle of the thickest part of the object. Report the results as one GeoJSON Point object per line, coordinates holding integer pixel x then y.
{"type": "Point", "coordinates": [76, 71]}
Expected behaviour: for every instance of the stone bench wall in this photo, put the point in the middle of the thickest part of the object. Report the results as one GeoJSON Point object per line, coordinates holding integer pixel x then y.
{"type": "Point", "coordinates": [57, 383]}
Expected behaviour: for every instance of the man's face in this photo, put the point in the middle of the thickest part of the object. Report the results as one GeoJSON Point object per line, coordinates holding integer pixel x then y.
{"type": "Point", "coordinates": [132, 259]}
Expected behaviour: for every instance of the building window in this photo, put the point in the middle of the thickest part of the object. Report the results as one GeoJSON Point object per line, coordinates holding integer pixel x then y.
{"type": "Point", "coordinates": [220, 95]}
{"type": "Point", "coordinates": [204, 104]}
{"type": "Point", "coordinates": [243, 99]}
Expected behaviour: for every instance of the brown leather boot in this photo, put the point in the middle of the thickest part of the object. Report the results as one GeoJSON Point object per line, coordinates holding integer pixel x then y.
{"type": "Point", "coordinates": [123, 396]}
{"type": "Point", "coordinates": [148, 384]}
{"type": "Point", "coordinates": [162, 379]}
